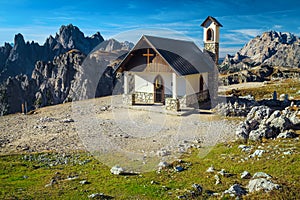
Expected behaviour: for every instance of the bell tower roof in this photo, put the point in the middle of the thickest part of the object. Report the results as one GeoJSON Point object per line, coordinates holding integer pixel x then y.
{"type": "Point", "coordinates": [212, 19]}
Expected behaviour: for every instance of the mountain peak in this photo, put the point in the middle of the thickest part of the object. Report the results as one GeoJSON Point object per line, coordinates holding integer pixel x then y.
{"type": "Point", "coordinates": [271, 48]}
{"type": "Point", "coordinates": [19, 40]}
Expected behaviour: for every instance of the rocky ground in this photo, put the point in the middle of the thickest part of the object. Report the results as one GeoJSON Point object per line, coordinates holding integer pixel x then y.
{"type": "Point", "coordinates": [174, 149]}
{"type": "Point", "coordinates": [102, 125]}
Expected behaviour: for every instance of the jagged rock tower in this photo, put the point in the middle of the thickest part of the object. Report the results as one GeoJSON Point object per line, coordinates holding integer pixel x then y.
{"type": "Point", "coordinates": [211, 37]}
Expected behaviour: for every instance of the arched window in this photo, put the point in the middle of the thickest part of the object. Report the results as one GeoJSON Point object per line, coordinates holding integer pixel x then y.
{"type": "Point", "coordinates": [210, 35]}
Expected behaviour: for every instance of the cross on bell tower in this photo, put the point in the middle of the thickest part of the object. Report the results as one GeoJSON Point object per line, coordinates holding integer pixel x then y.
{"type": "Point", "coordinates": [211, 37]}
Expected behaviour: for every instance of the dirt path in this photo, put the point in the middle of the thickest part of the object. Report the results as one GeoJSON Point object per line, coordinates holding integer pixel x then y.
{"type": "Point", "coordinates": [114, 132]}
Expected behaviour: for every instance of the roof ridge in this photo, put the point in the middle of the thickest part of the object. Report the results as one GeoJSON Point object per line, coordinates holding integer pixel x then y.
{"type": "Point", "coordinates": [165, 38]}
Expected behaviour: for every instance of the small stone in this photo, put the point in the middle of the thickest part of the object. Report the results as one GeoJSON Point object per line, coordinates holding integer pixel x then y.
{"type": "Point", "coordinates": [257, 153]}
{"type": "Point", "coordinates": [83, 182]}
{"type": "Point", "coordinates": [178, 168]}
{"type": "Point", "coordinates": [96, 195]}
{"type": "Point", "coordinates": [224, 173]}
{"type": "Point", "coordinates": [117, 170]}
{"type": "Point", "coordinates": [198, 188]}
{"type": "Point", "coordinates": [218, 181]}
{"type": "Point", "coordinates": [104, 108]}
{"type": "Point", "coordinates": [67, 120]}
{"type": "Point", "coordinates": [52, 182]}
{"type": "Point", "coordinates": [245, 148]}
{"type": "Point", "coordinates": [71, 178]}
{"type": "Point", "coordinates": [245, 175]}
{"type": "Point", "coordinates": [163, 164]}
{"type": "Point", "coordinates": [210, 169]}
{"type": "Point", "coordinates": [287, 153]}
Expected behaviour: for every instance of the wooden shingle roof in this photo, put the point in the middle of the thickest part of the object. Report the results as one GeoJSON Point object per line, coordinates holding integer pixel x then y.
{"type": "Point", "coordinates": [184, 57]}
{"type": "Point", "coordinates": [210, 18]}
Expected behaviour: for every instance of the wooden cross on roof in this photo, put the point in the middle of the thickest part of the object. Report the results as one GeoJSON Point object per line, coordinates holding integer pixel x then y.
{"type": "Point", "coordinates": [148, 54]}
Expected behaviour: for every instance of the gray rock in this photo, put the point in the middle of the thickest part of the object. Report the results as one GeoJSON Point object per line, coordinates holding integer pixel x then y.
{"type": "Point", "coordinates": [258, 153]}
{"type": "Point", "coordinates": [67, 120]}
{"type": "Point", "coordinates": [281, 123]}
{"type": "Point", "coordinates": [178, 168]}
{"type": "Point", "coordinates": [104, 108]}
{"type": "Point", "coordinates": [261, 184]}
{"type": "Point", "coordinates": [52, 182]}
{"type": "Point", "coordinates": [217, 178]}
{"type": "Point", "coordinates": [210, 169]}
{"type": "Point", "coordinates": [262, 175]}
{"type": "Point", "coordinates": [224, 173]}
{"type": "Point", "coordinates": [163, 164]}
{"type": "Point", "coordinates": [83, 182]}
{"type": "Point", "coordinates": [235, 190]}
{"type": "Point", "coordinates": [198, 188]}
{"type": "Point", "coordinates": [245, 148]}
{"type": "Point", "coordinates": [245, 175]}
{"type": "Point", "coordinates": [287, 134]}
{"type": "Point", "coordinates": [96, 195]}
{"type": "Point", "coordinates": [117, 170]}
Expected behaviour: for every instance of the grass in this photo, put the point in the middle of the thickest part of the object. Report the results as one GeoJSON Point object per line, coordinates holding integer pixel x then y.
{"type": "Point", "coordinates": [24, 179]}
{"type": "Point", "coordinates": [286, 86]}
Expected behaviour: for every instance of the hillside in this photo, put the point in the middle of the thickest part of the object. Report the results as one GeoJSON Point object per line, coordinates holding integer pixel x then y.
{"type": "Point", "coordinates": [44, 155]}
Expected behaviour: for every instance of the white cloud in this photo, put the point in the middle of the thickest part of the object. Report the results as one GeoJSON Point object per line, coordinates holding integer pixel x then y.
{"type": "Point", "coordinates": [228, 50]}
{"type": "Point", "coordinates": [277, 26]}
{"type": "Point", "coordinates": [248, 32]}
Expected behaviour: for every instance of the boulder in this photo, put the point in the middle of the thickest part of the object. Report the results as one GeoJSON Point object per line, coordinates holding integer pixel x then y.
{"type": "Point", "coordinates": [117, 170]}
{"type": "Point", "coordinates": [261, 184]}
{"type": "Point", "coordinates": [245, 175]}
{"type": "Point", "coordinates": [262, 175]}
{"type": "Point", "coordinates": [235, 190]}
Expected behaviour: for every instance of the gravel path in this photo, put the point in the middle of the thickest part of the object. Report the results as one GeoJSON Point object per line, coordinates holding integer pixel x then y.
{"type": "Point", "coordinates": [115, 134]}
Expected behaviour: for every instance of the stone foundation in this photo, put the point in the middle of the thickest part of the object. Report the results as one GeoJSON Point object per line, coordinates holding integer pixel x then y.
{"type": "Point", "coordinates": [172, 104]}
{"type": "Point", "coordinates": [142, 98]}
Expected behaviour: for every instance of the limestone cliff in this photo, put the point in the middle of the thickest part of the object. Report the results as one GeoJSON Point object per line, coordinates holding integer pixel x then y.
{"type": "Point", "coordinates": [271, 48]}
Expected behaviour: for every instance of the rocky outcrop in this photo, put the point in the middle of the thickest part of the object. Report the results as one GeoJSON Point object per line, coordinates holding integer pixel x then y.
{"type": "Point", "coordinates": [70, 76]}
{"type": "Point", "coordinates": [264, 122]}
{"type": "Point", "coordinates": [21, 58]}
{"type": "Point", "coordinates": [259, 74]}
{"type": "Point", "coordinates": [271, 48]}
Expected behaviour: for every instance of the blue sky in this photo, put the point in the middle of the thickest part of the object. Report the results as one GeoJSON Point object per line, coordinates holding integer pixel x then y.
{"type": "Point", "coordinates": [242, 20]}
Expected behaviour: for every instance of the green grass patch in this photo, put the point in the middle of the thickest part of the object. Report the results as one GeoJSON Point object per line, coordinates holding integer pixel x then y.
{"type": "Point", "coordinates": [26, 178]}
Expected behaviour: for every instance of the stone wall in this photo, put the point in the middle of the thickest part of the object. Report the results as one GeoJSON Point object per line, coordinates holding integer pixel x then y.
{"type": "Point", "coordinates": [172, 104]}
{"type": "Point", "coordinates": [143, 98]}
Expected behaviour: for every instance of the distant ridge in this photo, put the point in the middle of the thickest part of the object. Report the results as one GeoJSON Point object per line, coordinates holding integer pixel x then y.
{"type": "Point", "coordinates": [271, 48]}
{"type": "Point", "coordinates": [52, 73]}
{"type": "Point", "coordinates": [21, 57]}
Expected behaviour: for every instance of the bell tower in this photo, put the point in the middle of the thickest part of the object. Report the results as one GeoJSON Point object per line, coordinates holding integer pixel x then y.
{"type": "Point", "coordinates": [211, 37]}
